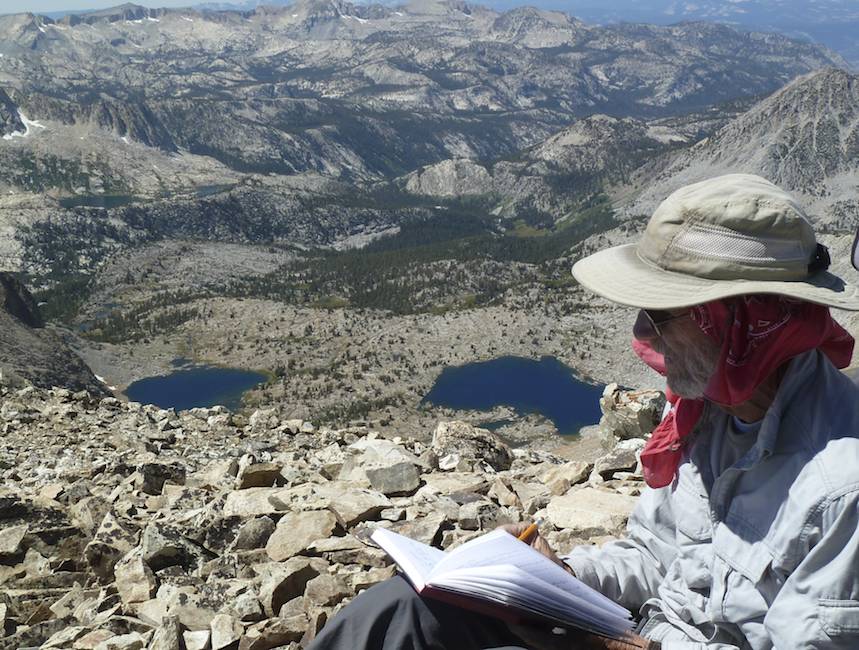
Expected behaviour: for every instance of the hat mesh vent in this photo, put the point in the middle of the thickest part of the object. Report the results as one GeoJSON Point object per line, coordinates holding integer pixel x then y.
{"type": "Point", "coordinates": [730, 245]}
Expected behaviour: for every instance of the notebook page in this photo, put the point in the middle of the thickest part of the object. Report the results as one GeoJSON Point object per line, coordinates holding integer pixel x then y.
{"type": "Point", "coordinates": [506, 580]}
{"type": "Point", "coordinates": [414, 558]}
{"type": "Point", "coordinates": [499, 547]}
{"type": "Point", "coordinates": [499, 584]}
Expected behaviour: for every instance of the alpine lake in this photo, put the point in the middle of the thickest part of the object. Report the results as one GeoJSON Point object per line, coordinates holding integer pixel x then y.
{"type": "Point", "coordinates": [190, 387]}
{"type": "Point", "coordinates": [545, 386]}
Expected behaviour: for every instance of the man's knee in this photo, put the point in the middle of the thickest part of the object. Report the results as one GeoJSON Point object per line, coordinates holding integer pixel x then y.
{"type": "Point", "coordinates": [389, 596]}
{"type": "Point", "coordinates": [386, 610]}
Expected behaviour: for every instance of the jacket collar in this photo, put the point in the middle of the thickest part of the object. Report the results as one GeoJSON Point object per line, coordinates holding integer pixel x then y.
{"type": "Point", "coordinates": [772, 434]}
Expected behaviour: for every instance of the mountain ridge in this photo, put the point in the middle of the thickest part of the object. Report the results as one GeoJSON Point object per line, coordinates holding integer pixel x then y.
{"type": "Point", "coordinates": [804, 137]}
{"type": "Point", "coordinates": [238, 87]}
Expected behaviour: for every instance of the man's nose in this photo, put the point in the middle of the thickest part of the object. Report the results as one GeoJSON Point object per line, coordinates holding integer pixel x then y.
{"type": "Point", "coordinates": [643, 330]}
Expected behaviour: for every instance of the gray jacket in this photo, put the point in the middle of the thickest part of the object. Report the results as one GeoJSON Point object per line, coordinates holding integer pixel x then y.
{"type": "Point", "coordinates": [766, 555]}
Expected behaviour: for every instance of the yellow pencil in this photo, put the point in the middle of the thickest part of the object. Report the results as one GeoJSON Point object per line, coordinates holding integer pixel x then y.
{"type": "Point", "coordinates": [526, 534]}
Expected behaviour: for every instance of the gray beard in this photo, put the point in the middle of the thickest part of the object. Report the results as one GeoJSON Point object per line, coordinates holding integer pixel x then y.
{"type": "Point", "coordinates": [689, 374]}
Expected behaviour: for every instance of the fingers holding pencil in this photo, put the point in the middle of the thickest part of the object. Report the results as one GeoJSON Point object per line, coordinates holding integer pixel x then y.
{"type": "Point", "coordinates": [529, 533]}
{"type": "Point", "coordinates": [521, 529]}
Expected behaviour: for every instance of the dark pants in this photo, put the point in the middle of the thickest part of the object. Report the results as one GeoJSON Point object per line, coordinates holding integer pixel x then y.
{"type": "Point", "coordinates": [391, 616]}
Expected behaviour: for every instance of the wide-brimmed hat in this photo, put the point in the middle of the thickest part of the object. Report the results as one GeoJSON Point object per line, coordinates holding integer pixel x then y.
{"type": "Point", "coordinates": [727, 236]}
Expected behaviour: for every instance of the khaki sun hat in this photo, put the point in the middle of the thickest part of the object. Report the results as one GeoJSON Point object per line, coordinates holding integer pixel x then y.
{"type": "Point", "coordinates": [727, 236]}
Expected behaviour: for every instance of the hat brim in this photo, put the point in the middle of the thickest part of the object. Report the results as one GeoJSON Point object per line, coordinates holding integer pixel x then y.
{"type": "Point", "coordinates": [621, 276]}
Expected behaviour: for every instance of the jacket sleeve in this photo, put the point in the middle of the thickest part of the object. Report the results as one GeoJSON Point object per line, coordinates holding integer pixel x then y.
{"type": "Point", "coordinates": [630, 570]}
{"type": "Point", "coordinates": [818, 606]}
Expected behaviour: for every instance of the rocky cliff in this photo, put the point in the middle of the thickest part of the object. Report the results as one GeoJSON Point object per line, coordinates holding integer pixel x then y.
{"type": "Point", "coordinates": [30, 352]}
{"type": "Point", "coordinates": [10, 119]}
{"type": "Point", "coordinates": [127, 526]}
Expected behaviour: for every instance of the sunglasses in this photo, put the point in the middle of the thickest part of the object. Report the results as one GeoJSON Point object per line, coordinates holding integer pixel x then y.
{"type": "Point", "coordinates": [658, 318]}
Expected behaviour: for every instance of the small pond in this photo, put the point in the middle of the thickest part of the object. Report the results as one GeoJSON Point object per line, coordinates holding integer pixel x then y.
{"type": "Point", "coordinates": [197, 386]}
{"type": "Point", "coordinates": [203, 191]}
{"type": "Point", "coordinates": [106, 201]}
{"type": "Point", "coordinates": [547, 387]}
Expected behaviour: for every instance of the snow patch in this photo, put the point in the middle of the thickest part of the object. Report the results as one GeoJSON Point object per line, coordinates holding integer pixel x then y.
{"type": "Point", "coordinates": [665, 135]}
{"type": "Point", "coordinates": [399, 13]}
{"type": "Point", "coordinates": [190, 20]}
{"type": "Point", "coordinates": [153, 20]}
{"type": "Point", "coordinates": [104, 381]}
{"type": "Point", "coordinates": [29, 125]}
{"type": "Point", "coordinates": [125, 139]}
{"type": "Point", "coordinates": [599, 74]}
{"type": "Point", "coordinates": [43, 30]}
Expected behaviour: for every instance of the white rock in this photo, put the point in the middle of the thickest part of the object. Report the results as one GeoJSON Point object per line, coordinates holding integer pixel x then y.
{"type": "Point", "coordinates": [473, 445]}
{"type": "Point", "coordinates": [448, 483]}
{"type": "Point", "coordinates": [132, 641]}
{"type": "Point", "coordinates": [254, 502]}
{"type": "Point", "coordinates": [135, 581]}
{"type": "Point", "coordinates": [295, 532]}
{"type": "Point", "coordinates": [11, 538]}
{"type": "Point", "coordinates": [624, 456]}
{"type": "Point", "coordinates": [590, 511]}
{"type": "Point", "coordinates": [197, 640]}
{"type": "Point", "coordinates": [225, 631]}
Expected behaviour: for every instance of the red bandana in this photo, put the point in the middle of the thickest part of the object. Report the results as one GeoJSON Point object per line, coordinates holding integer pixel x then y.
{"type": "Point", "coordinates": [758, 333]}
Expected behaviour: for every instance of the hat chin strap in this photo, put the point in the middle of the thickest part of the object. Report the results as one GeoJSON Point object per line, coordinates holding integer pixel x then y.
{"type": "Point", "coordinates": [854, 257]}
{"type": "Point", "coordinates": [821, 260]}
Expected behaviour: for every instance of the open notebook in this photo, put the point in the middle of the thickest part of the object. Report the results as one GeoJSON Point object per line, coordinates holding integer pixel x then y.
{"type": "Point", "coordinates": [500, 576]}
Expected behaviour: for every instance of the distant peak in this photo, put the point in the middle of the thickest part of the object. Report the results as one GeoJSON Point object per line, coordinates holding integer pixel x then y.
{"type": "Point", "coordinates": [828, 81]}
{"type": "Point", "coordinates": [548, 15]}
{"type": "Point", "coordinates": [118, 9]}
{"type": "Point", "coordinates": [127, 11]}
{"type": "Point", "coordinates": [438, 7]}
{"type": "Point", "coordinates": [311, 7]}
{"type": "Point", "coordinates": [824, 75]}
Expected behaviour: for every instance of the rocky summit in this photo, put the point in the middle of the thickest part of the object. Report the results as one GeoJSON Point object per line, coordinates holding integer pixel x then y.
{"type": "Point", "coordinates": [125, 526]}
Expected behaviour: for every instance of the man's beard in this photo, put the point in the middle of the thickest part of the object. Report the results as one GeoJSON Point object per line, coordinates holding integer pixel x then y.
{"type": "Point", "coordinates": [690, 367]}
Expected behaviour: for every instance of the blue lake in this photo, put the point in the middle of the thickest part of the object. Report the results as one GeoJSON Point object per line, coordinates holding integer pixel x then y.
{"type": "Point", "coordinates": [197, 386]}
{"type": "Point", "coordinates": [547, 387]}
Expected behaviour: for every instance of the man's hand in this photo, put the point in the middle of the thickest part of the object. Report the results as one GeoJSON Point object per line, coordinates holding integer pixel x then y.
{"type": "Point", "coordinates": [537, 542]}
{"type": "Point", "coordinates": [540, 637]}
{"type": "Point", "coordinates": [629, 642]}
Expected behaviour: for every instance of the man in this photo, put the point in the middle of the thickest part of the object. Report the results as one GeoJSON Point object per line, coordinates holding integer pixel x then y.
{"type": "Point", "coordinates": [748, 536]}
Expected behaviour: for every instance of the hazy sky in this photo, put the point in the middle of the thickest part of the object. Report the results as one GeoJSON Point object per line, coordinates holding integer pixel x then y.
{"type": "Point", "coordinates": [42, 6]}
